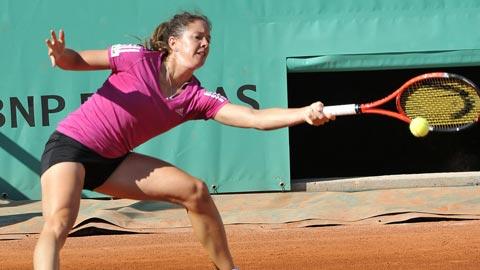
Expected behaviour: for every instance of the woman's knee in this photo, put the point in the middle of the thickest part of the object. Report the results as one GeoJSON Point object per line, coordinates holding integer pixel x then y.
{"type": "Point", "coordinates": [199, 196]}
{"type": "Point", "coordinates": [59, 223]}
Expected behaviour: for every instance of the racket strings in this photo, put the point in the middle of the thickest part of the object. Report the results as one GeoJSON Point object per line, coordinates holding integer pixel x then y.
{"type": "Point", "coordinates": [444, 102]}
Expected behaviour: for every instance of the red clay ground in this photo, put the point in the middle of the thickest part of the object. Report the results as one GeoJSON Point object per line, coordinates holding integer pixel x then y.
{"type": "Point", "coordinates": [427, 245]}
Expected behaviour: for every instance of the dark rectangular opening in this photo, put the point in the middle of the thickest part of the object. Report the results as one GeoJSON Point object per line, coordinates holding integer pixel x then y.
{"type": "Point", "coordinates": [371, 145]}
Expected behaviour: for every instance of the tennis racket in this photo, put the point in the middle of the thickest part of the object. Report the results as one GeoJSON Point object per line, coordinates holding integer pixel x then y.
{"type": "Point", "coordinates": [449, 102]}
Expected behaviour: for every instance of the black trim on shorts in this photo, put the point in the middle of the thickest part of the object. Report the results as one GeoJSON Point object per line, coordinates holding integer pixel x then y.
{"type": "Point", "coordinates": [61, 148]}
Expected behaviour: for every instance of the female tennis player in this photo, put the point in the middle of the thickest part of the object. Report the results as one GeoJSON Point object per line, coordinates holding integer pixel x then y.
{"type": "Point", "coordinates": [150, 90]}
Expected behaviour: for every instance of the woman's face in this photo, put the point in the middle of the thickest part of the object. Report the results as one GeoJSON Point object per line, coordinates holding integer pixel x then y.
{"type": "Point", "coordinates": [192, 47]}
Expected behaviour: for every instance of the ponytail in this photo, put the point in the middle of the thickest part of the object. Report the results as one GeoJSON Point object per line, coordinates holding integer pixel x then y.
{"type": "Point", "coordinates": [174, 27]}
{"type": "Point", "coordinates": [158, 41]}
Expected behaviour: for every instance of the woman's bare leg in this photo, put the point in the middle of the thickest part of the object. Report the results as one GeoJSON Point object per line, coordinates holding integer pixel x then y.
{"type": "Point", "coordinates": [61, 192]}
{"type": "Point", "coordinates": [141, 177]}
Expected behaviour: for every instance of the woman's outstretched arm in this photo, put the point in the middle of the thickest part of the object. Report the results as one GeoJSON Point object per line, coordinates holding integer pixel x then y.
{"type": "Point", "coordinates": [273, 118]}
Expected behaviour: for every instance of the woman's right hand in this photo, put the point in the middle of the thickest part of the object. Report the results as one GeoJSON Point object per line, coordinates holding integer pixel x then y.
{"type": "Point", "coordinates": [314, 114]}
{"type": "Point", "coordinates": [56, 46]}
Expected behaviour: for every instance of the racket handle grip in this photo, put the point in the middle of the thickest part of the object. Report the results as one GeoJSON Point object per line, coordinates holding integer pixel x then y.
{"type": "Point", "coordinates": [348, 109]}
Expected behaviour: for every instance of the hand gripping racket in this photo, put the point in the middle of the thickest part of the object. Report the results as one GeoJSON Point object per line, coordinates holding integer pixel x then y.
{"type": "Point", "coordinates": [449, 102]}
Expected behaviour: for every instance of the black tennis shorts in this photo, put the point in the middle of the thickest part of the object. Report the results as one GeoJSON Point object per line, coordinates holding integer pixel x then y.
{"type": "Point", "coordinates": [61, 148]}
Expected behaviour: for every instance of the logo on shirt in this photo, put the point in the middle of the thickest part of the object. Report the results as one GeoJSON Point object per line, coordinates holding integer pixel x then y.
{"type": "Point", "coordinates": [216, 96]}
{"type": "Point", "coordinates": [179, 111]}
{"type": "Point", "coordinates": [117, 49]}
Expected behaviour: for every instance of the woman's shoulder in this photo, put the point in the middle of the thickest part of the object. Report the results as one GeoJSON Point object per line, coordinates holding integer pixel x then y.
{"type": "Point", "coordinates": [125, 56]}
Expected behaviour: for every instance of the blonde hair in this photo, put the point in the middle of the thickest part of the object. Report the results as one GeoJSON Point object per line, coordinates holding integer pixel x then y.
{"type": "Point", "coordinates": [173, 27]}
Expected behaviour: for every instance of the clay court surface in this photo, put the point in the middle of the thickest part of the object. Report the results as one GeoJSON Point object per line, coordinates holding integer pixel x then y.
{"type": "Point", "coordinates": [410, 228]}
{"type": "Point", "coordinates": [422, 245]}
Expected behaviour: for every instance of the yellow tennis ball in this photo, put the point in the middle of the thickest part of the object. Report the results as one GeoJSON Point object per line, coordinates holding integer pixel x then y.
{"type": "Point", "coordinates": [419, 127]}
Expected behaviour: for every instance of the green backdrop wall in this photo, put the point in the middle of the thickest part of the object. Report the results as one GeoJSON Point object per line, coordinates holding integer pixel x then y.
{"type": "Point", "coordinates": [255, 44]}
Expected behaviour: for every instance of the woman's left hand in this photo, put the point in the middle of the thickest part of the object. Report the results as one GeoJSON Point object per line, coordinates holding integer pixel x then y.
{"type": "Point", "coordinates": [56, 46]}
